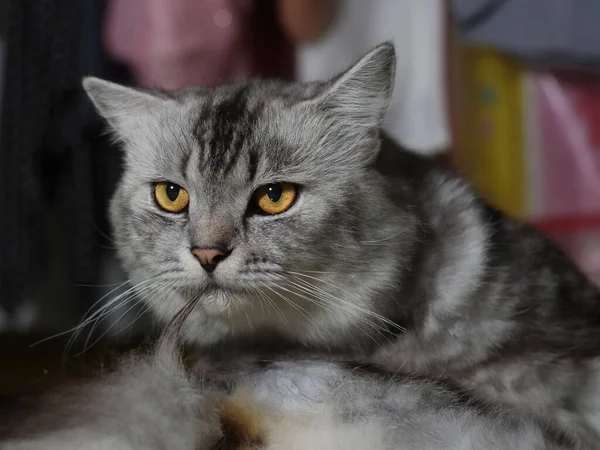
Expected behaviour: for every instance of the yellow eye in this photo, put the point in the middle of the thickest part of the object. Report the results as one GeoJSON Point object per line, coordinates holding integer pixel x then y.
{"type": "Point", "coordinates": [275, 198]}
{"type": "Point", "coordinates": [171, 197]}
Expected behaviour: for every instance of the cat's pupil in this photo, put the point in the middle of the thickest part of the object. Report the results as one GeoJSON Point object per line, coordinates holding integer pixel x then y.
{"type": "Point", "coordinates": [173, 191]}
{"type": "Point", "coordinates": [274, 192]}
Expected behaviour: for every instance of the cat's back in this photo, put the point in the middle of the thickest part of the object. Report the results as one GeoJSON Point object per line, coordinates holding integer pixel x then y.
{"type": "Point", "coordinates": [516, 306]}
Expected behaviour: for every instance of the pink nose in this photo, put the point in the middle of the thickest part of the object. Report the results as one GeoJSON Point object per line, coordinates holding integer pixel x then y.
{"type": "Point", "coordinates": [209, 257]}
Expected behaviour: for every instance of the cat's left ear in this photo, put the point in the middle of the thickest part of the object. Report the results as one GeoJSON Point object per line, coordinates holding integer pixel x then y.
{"type": "Point", "coordinates": [125, 109]}
{"type": "Point", "coordinates": [362, 94]}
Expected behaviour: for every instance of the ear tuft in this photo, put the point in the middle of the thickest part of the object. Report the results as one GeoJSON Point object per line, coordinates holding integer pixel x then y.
{"type": "Point", "coordinates": [363, 92]}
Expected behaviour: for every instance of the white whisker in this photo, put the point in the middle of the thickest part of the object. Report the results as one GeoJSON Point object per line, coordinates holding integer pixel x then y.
{"type": "Point", "coordinates": [378, 241]}
{"type": "Point", "coordinates": [359, 308]}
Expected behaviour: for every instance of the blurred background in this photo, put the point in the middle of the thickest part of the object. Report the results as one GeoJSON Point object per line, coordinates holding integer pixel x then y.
{"type": "Point", "coordinates": [507, 90]}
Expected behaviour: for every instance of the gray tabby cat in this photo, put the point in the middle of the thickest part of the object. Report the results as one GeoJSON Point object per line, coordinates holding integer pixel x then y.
{"type": "Point", "coordinates": [283, 207]}
{"type": "Point", "coordinates": [152, 403]}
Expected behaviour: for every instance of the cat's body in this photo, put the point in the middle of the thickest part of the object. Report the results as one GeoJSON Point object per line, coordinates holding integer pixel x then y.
{"type": "Point", "coordinates": [504, 313]}
{"type": "Point", "coordinates": [152, 402]}
{"type": "Point", "coordinates": [384, 256]}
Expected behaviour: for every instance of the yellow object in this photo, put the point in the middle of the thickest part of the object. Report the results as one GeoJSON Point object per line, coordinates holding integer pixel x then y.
{"type": "Point", "coordinates": [276, 198]}
{"type": "Point", "coordinates": [171, 197]}
{"type": "Point", "coordinates": [491, 150]}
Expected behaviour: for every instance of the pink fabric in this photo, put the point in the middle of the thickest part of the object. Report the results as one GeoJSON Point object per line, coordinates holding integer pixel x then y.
{"type": "Point", "coordinates": [568, 110]}
{"type": "Point", "coordinates": [172, 43]}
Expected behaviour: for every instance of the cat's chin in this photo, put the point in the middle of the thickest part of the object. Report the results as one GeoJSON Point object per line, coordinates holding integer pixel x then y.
{"type": "Point", "coordinates": [221, 308]}
{"type": "Point", "coordinates": [217, 299]}
{"type": "Point", "coordinates": [220, 294]}
{"type": "Point", "coordinates": [219, 313]}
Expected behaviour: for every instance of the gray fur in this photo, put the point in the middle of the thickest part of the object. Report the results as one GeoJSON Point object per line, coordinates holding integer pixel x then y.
{"type": "Point", "coordinates": [151, 402]}
{"type": "Point", "coordinates": [385, 257]}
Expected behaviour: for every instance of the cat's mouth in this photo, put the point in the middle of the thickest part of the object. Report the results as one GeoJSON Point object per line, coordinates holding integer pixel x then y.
{"type": "Point", "coordinates": [214, 287]}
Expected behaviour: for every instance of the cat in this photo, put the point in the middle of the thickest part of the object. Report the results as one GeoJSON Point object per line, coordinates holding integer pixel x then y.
{"type": "Point", "coordinates": [152, 402]}
{"type": "Point", "coordinates": [284, 208]}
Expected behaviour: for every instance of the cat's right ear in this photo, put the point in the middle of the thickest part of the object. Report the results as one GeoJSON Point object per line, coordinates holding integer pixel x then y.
{"type": "Point", "coordinates": [123, 107]}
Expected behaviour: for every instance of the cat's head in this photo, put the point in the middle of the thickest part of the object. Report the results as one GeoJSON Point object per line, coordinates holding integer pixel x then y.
{"type": "Point", "coordinates": [259, 199]}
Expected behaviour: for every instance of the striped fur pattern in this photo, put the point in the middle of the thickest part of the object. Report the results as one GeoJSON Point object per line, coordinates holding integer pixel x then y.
{"type": "Point", "coordinates": [385, 257]}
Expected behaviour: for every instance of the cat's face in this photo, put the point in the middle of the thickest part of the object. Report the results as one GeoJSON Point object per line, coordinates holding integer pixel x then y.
{"type": "Point", "coordinates": [258, 200]}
